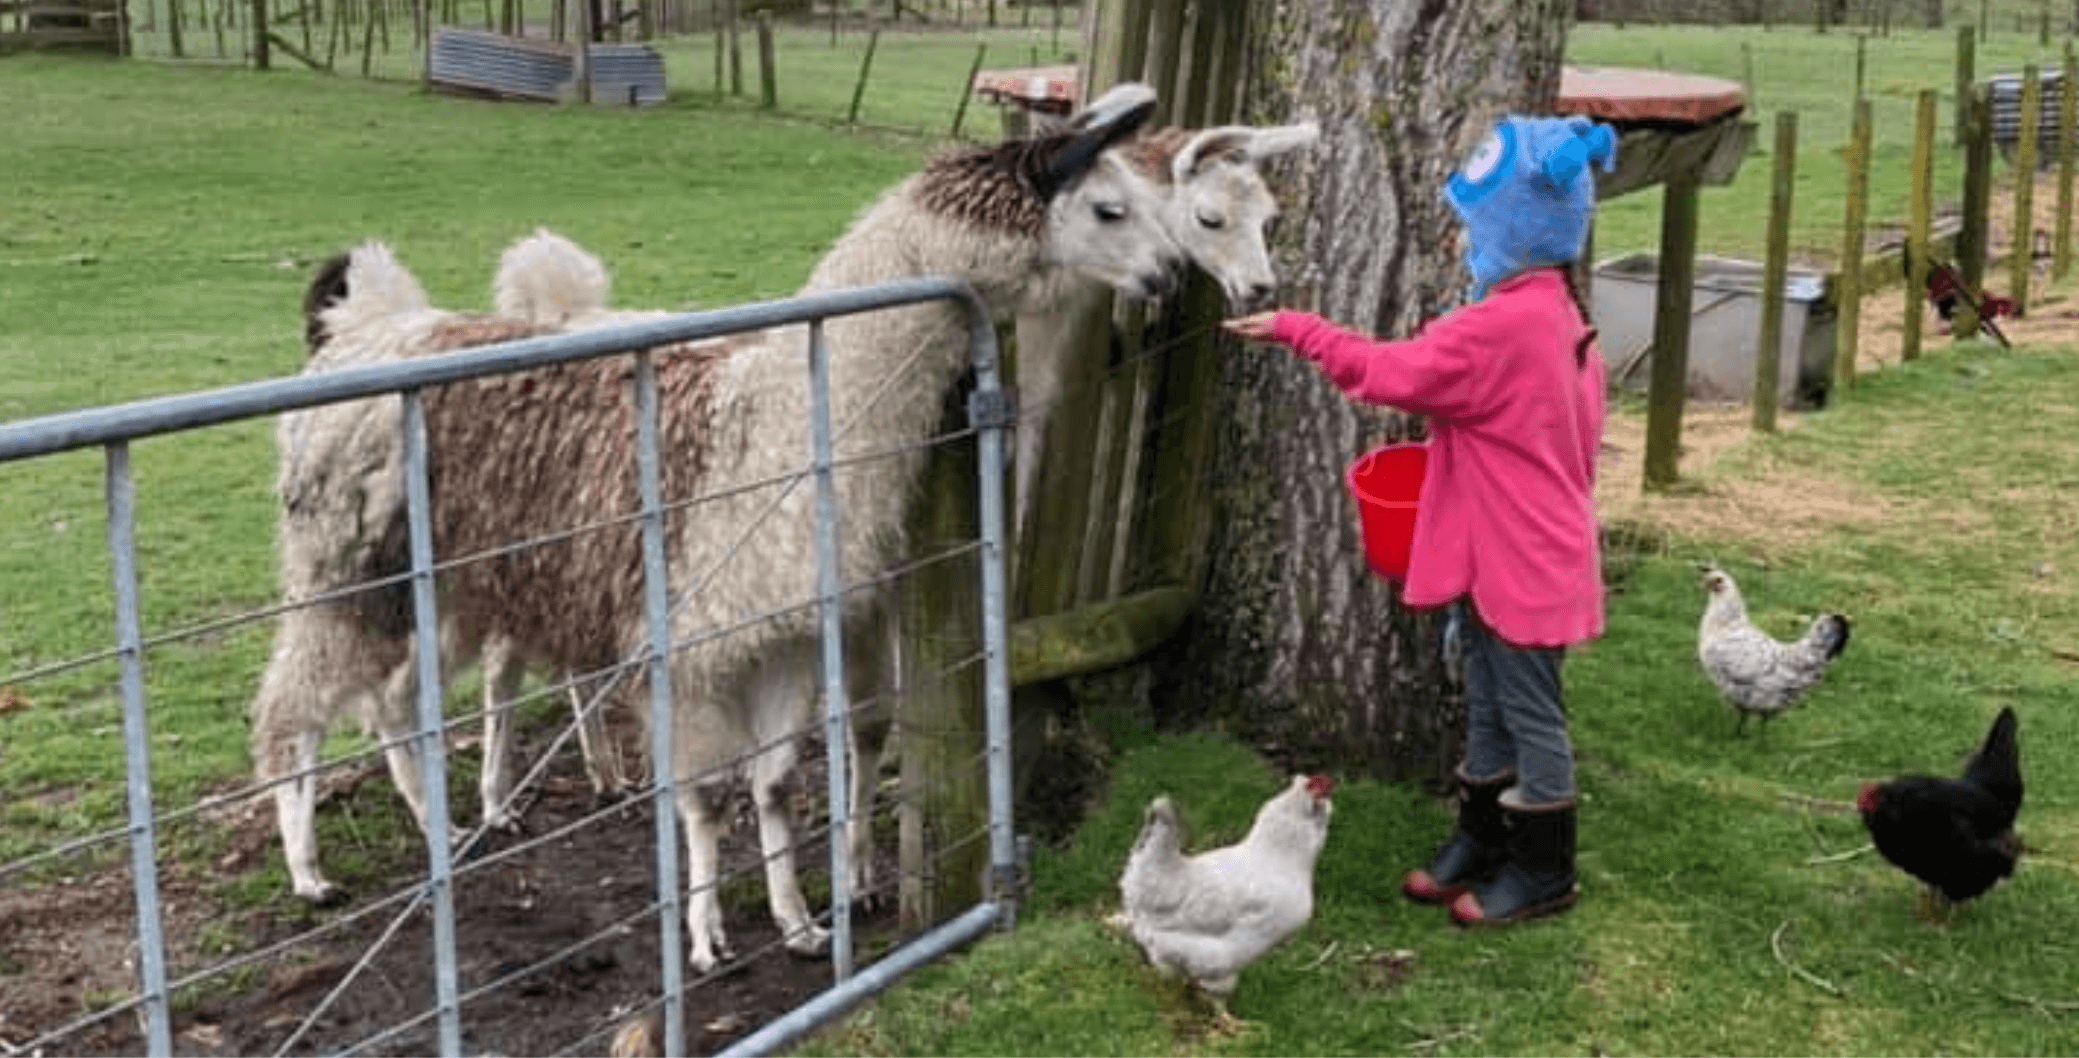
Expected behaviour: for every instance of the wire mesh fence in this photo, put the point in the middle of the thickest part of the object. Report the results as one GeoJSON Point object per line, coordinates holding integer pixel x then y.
{"type": "Point", "coordinates": [158, 901]}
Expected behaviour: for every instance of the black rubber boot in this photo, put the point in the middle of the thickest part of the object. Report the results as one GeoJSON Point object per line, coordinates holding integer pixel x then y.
{"type": "Point", "coordinates": [1539, 878]}
{"type": "Point", "coordinates": [1474, 851]}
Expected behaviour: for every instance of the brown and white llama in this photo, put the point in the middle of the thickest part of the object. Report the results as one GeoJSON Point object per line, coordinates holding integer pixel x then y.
{"type": "Point", "coordinates": [1216, 206]}
{"type": "Point", "coordinates": [526, 456]}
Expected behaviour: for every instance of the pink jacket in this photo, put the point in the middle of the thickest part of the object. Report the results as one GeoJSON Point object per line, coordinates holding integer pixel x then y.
{"type": "Point", "coordinates": [1508, 507]}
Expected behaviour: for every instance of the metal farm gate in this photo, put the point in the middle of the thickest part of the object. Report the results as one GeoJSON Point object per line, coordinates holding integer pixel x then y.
{"type": "Point", "coordinates": [165, 971]}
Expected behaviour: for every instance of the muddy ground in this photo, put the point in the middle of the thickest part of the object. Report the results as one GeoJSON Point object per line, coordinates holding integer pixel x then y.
{"type": "Point", "coordinates": [577, 901]}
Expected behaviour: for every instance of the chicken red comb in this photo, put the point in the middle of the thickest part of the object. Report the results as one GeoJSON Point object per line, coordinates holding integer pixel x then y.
{"type": "Point", "coordinates": [1319, 784]}
{"type": "Point", "coordinates": [1866, 798]}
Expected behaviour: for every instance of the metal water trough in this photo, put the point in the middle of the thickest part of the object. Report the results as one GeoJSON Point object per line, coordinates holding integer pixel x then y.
{"type": "Point", "coordinates": [518, 67]}
{"type": "Point", "coordinates": [1724, 328]}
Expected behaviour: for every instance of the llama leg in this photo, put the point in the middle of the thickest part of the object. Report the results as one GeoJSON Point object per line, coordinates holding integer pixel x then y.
{"type": "Point", "coordinates": [602, 757]}
{"type": "Point", "coordinates": [295, 812]}
{"type": "Point", "coordinates": [394, 713]}
{"type": "Point", "coordinates": [878, 669]}
{"type": "Point", "coordinates": [703, 881]}
{"type": "Point", "coordinates": [494, 783]}
{"type": "Point", "coordinates": [776, 843]}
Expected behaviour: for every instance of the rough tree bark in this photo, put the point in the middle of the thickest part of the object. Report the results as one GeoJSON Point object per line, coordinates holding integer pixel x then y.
{"type": "Point", "coordinates": [1296, 644]}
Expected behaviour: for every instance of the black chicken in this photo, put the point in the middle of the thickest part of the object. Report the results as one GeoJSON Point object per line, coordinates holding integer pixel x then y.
{"type": "Point", "coordinates": [1956, 835]}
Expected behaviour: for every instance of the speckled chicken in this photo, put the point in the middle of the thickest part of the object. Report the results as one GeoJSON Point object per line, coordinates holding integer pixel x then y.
{"type": "Point", "coordinates": [1208, 916]}
{"type": "Point", "coordinates": [1755, 673]}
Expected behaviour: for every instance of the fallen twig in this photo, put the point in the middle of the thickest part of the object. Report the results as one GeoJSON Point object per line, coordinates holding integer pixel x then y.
{"type": "Point", "coordinates": [2042, 1006]}
{"type": "Point", "coordinates": [1818, 804]}
{"type": "Point", "coordinates": [1840, 856]}
{"type": "Point", "coordinates": [1776, 946]}
{"type": "Point", "coordinates": [1323, 957]}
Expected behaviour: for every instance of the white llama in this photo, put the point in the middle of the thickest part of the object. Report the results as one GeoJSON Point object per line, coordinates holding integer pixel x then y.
{"type": "Point", "coordinates": [523, 456]}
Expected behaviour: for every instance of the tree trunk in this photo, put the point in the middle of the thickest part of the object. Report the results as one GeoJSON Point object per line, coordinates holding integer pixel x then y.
{"type": "Point", "coordinates": [1297, 645]}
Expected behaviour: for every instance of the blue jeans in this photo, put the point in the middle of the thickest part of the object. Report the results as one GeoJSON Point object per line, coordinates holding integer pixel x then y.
{"type": "Point", "coordinates": [1514, 715]}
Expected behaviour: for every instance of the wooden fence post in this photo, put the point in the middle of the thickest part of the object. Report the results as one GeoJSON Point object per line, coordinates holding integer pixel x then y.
{"type": "Point", "coordinates": [1862, 44]}
{"type": "Point", "coordinates": [943, 803]}
{"type": "Point", "coordinates": [768, 78]}
{"type": "Point", "coordinates": [2022, 252]}
{"type": "Point", "coordinates": [1671, 307]}
{"type": "Point", "coordinates": [1768, 353]}
{"type": "Point", "coordinates": [967, 88]}
{"type": "Point", "coordinates": [873, 40]}
{"type": "Point", "coordinates": [736, 49]}
{"type": "Point", "coordinates": [2067, 113]}
{"type": "Point", "coordinates": [1972, 234]}
{"type": "Point", "coordinates": [1848, 329]}
{"type": "Point", "coordinates": [1917, 243]}
{"type": "Point", "coordinates": [260, 56]}
{"type": "Point", "coordinates": [1966, 75]}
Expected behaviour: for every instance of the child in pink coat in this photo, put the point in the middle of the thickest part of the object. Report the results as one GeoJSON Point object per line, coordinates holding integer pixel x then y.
{"type": "Point", "coordinates": [1512, 385]}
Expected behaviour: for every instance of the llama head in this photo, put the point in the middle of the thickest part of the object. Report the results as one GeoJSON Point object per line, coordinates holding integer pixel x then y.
{"type": "Point", "coordinates": [1104, 220]}
{"type": "Point", "coordinates": [364, 285]}
{"type": "Point", "coordinates": [1219, 206]}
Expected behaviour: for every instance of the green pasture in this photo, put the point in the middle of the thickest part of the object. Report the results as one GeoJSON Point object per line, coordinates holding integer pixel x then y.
{"type": "Point", "coordinates": [1792, 68]}
{"type": "Point", "coordinates": [163, 221]}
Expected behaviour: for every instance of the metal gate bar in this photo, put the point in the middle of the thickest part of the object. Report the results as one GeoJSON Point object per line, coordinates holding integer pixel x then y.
{"type": "Point", "coordinates": [114, 426]}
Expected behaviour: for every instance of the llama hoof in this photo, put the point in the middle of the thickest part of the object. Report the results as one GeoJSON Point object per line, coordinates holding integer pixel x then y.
{"type": "Point", "coordinates": [323, 894]}
{"type": "Point", "coordinates": [812, 942]}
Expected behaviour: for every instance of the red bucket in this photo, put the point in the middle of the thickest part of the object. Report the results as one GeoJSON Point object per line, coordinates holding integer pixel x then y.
{"type": "Point", "coordinates": [1387, 484]}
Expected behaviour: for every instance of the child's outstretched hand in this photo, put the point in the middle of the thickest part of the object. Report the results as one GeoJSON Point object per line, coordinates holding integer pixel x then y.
{"type": "Point", "coordinates": [1255, 327]}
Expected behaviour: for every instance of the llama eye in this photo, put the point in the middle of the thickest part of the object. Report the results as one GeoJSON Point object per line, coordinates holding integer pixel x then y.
{"type": "Point", "coordinates": [1212, 221]}
{"type": "Point", "coordinates": [1110, 211]}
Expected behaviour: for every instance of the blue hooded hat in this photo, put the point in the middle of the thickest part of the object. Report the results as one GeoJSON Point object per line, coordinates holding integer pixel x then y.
{"type": "Point", "coordinates": [1527, 194]}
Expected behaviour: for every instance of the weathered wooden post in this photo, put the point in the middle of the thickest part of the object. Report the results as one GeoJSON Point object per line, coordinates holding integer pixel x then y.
{"type": "Point", "coordinates": [2022, 252]}
{"type": "Point", "coordinates": [1966, 76]}
{"type": "Point", "coordinates": [943, 800]}
{"type": "Point", "coordinates": [1862, 43]}
{"type": "Point", "coordinates": [2067, 114]}
{"type": "Point", "coordinates": [967, 88]}
{"type": "Point", "coordinates": [768, 78]}
{"type": "Point", "coordinates": [260, 56]}
{"type": "Point", "coordinates": [1848, 325]}
{"type": "Point", "coordinates": [1666, 392]}
{"type": "Point", "coordinates": [1768, 353]}
{"type": "Point", "coordinates": [873, 40]}
{"type": "Point", "coordinates": [736, 49]}
{"type": "Point", "coordinates": [1972, 234]}
{"type": "Point", "coordinates": [1918, 244]}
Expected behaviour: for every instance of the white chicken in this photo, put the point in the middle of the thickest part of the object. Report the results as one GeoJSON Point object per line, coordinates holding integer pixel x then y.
{"type": "Point", "coordinates": [1208, 916]}
{"type": "Point", "coordinates": [1755, 673]}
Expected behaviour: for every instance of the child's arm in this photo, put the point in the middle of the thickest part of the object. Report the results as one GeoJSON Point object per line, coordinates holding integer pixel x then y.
{"type": "Point", "coordinates": [1430, 374]}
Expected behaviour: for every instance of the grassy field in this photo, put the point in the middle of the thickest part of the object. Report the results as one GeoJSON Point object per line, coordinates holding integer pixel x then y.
{"type": "Point", "coordinates": [1722, 912]}
{"type": "Point", "coordinates": [164, 222]}
{"type": "Point", "coordinates": [1794, 69]}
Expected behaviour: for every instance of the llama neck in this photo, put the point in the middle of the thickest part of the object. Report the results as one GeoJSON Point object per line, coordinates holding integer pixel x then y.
{"type": "Point", "coordinates": [893, 367]}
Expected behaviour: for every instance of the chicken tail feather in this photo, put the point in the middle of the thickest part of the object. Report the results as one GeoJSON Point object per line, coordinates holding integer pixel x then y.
{"type": "Point", "coordinates": [1996, 767]}
{"type": "Point", "coordinates": [1830, 634]}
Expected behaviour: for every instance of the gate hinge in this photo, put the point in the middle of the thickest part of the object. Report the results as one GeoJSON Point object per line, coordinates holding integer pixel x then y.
{"type": "Point", "coordinates": [992, 409]}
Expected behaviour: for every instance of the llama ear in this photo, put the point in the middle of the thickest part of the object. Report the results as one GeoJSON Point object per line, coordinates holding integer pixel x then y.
{"type": "Point", "coordinates": [1241, 142]}
{"type": "Point", "coordinates": [1114, 116]}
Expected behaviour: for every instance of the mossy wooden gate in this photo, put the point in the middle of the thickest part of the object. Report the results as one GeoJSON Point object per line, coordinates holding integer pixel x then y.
{"type": "Point", "coordinates": [1108, 545]}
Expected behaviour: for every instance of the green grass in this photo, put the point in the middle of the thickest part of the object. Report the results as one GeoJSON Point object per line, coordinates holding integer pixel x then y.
{"type": "Point", "coordinates": [163, 222]}
{"type": "Point", "coordinates": [1694, 863]}
{"type": "Point", "coordinates": [1813, 75]}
